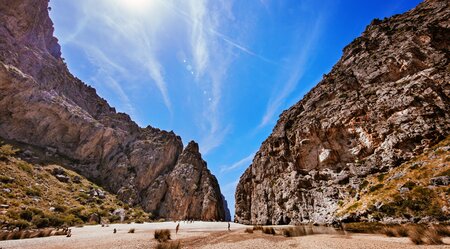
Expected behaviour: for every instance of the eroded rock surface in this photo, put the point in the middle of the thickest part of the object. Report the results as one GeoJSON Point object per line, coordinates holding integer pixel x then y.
{"type": "Point", "coordinates": [384, 102]}
{"type": "Point", "coordinates": [43, 105]}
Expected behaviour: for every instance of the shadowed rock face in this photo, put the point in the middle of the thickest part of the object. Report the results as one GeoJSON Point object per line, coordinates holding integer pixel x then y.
{"type": "Point", "coordinates": [43, 105]}
{"type": "Point", "coordinates": [385, 101]}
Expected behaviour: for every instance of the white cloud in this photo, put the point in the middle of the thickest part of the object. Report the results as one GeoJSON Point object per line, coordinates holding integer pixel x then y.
{"type": "Point", "coordinates": [127, 38]}
{"type": "Point", "coordinates": [136, 42]}
{"type": "Point", "coordinates": [297, 70]}
{"type": "Point", "coordinates": [155, 71]}
{"type": "Point", "coordinates": [243, 162]}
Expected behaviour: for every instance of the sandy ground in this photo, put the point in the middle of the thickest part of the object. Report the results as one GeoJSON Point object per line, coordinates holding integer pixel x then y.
{"type": "Point", "coordinates": [205, 235]}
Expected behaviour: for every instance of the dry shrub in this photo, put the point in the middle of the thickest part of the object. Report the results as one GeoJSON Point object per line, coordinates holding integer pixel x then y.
{"type": "Point", "coordinates": [25, 234]}
{"type": "Point", "coordinates": [131, 230]}
{"type": "Point", "coordinates": [429, 236]}
{"type": "Point", "coordinates": [396, 231]}
{"type": "Point", "coordinates": [268, 230]}
{"type": "Point", "coordinates": [402, 231]}
{"type": "Point", "coordinates": [3, 235]}
{"type": "Point", "coordinates": [257, 227]}
{"type": "Point", "coordinates": [415, 235]}
{"type": "Point", "coordinates": [169, 245]}
{"type": "Point", "coordinates": [390, 232]}
{"type": "Point", "coordinates": [249, 230]}
{"type": "Point", "coordinates": [162, 235]}
{"type": "Point", "coordinates": [294, 231]}
{"type": "Point", "coordinates": [363, 227]}
{"type": "Point", "coordinates": [46, 232]}
{"type": "Point", "coordinates": [12, 235]}
{"type": "Point", "coordinates": [442, 230]}
{"type": "Point", "coordinates": [35, 234]}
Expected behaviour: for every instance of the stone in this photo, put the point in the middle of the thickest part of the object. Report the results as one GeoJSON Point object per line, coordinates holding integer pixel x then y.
{"type": "Point", "coordinates": [62, 178]}
{"type": "Point", "coordinates": [76, 179]}
{"type": "Point", "coordinates": [58, 171]}
{"type": "Point", "coordinates": [385, 101]}
{"type": "Point", "coordinates": [94, 218]}
{"type": "Point", "coordinates": [440, 181]}
{"type": "Point", "coordinates": [42, 105]}
{"type": "Point", "coordinates": [403, 190]}
{"type": "Point", "coordinates": [121, 213]}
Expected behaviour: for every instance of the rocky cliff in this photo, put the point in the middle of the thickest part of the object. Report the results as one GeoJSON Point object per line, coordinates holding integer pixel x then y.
{"type": "Point", "coordinates": [384, 102]}
{"type": "Point", "coordinates": [43, 105]}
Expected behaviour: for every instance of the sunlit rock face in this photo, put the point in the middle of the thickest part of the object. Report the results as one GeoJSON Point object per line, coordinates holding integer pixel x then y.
{"type": "Point", "coordinates": [385, 101]}
{"type": "Point", "coordinates": [43, 105]}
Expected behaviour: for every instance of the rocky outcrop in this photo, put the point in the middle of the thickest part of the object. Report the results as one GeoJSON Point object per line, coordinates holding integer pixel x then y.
{"type": "Point", "coordinates": [227, 211]}
{"type": "Point", "coordinates": [43, 105]}
{"type": "Point", "coordinates": [189, 188]}
{"type": "Point", "coordinates": [384, 102]}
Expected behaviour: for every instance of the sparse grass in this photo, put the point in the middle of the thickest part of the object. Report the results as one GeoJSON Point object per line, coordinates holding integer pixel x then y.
{"type": "Point", "coordinates": [376, 187]}
{"type": "Point", "coordinates": [380, 197]}
{"type": "Point", "coordinates": [249, 230]}
{"type": "Point", "coordinates": [162, 235]}
{"type": "Point", "coordinates": [33, 192]}
{"type": "Point", "coordinates": [71, 202]}
{"type": "Point", "coordinates": [445, 172]}
{"type": "Point", "coordinates": [169, 245]}
{"type": "Point", "coordinates": [409, 185]}
{"type": "Point", "coordinates": [268, 230]}
{"type": "Point", "coordinates": [25, 166]}
{"type": "Point", "coordinates": [131, 230]}
{"type": "Point", "coordinates": [8, 150]}
{"type": "Point", "coordinates": [380, 177]}
{"type": "Point", "coordinates": [364, 184]}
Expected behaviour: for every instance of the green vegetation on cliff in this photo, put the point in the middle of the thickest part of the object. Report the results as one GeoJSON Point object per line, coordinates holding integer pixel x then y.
{"type": "Point", "coordinates": [37, 196]}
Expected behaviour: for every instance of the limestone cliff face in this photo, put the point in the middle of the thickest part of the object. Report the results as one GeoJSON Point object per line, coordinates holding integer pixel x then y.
{"type": "Point", "coordinates": [43, 105]}
{"type": "Point", "coordinates": [384, 102]}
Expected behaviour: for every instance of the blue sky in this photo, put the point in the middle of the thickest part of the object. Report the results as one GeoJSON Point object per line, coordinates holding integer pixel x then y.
{"type": "Point", "coordinates": [218, 72]}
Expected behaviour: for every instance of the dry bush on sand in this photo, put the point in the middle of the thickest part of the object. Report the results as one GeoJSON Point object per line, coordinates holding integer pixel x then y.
{"type": "Point", "coordinates": [249, 230]}
{"type": "Point", "coordinates": [428, 236]}
{"type": "Point", "coordinates": [442, 230]}
{"type": "Point", "coordinates": [268, 230]}
{"type": "Point", "coordinates": [294, 231]}
{"type": "Point", "coordinates": [257, 227]}
{"type": "Point", "coordinates": [162, 235]}
{"type": "Point", "coordinates": [131, 230]}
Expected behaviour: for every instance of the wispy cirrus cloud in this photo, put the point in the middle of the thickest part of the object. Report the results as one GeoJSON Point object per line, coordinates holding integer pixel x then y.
{"type": "Point", "coordinates": [212, 60]}
{"type": "Point", "coordinates": [134, 45]}
{"type": "Point", "coordinates": [106, 68]}
{"type": "Point", "coordinates": [126, 38]}
{"type": "Point", "coordinates": [241, 163]}
{"type": "Point", "coordinates": [295, 73]}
